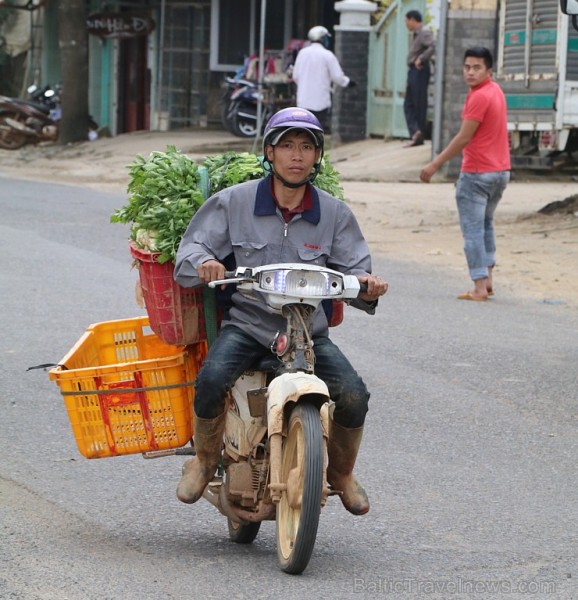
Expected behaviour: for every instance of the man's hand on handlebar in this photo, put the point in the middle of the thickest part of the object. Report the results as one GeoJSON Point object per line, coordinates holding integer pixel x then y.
{"type": "Point", "coordinates": [211, 270]}
{"type": "Point", "coordinates": [372, 286]}
{"type": "Point", "coordinates": [376, 287]}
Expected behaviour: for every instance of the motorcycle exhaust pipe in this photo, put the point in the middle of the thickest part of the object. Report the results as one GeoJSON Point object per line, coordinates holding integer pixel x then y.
{"type": "Point", "coordinates": [20, 127]}
{"type": "Point", "coordinates": [218, 498]}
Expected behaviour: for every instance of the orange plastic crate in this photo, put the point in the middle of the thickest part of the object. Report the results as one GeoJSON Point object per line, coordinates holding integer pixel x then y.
{"type": "Point", "coordinates": [126, 391]}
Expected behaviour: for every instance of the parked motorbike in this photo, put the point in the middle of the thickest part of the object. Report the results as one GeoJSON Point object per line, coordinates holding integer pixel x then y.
{"type": "Point", "coordinates": [239, 107]}
{"type": "Point", "coordinates": [29, 121]}
{"type": "Point", "coordinates": [275, 442]}
{"type": "Point", "coordinates": [32, 121]}
{"type": "Point", "coordinates": [229, 85]}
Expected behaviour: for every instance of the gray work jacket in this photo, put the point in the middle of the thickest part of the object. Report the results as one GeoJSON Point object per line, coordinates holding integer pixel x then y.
{"type": "Point", "coordinates": [244, 220]}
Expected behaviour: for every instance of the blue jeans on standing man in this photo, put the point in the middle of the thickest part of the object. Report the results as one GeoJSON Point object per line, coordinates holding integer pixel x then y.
{"type": "Point", "coordinates": [235, 352]}
{"type": "Point", "coordinates": [477, 196]}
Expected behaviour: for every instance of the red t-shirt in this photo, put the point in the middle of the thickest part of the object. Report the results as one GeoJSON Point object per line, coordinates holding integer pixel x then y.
{"type": "Point", "coordinates": [489, 149]}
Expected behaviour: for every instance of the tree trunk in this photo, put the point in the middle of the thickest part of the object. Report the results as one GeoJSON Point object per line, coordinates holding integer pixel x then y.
{"type": "Point", "coordinates": [73, 41]}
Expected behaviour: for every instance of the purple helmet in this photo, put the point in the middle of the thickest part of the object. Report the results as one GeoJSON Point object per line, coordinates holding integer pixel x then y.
{"type": "Point", "coordinates": [292, 118]}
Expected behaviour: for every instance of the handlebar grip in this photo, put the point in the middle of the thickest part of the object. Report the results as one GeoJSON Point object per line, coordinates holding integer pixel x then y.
{"type": "Point", "coordinates": [362, 287]}
{"type": "Point", "coordinates": [224, 281]}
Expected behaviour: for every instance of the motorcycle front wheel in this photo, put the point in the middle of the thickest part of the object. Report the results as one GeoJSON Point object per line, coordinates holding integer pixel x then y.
{"type": "Point", "coordinates": [11, 138]}
{"type": "Point", "coordinates": [300, 505]}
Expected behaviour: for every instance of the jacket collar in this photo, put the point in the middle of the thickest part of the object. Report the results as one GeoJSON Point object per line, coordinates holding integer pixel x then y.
{"type": "Point", "coordinates": [265, 203]}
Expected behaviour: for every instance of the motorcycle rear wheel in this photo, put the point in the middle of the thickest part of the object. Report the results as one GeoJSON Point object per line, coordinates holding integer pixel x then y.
{"type": "Point", "coordinates": [243, 534]}
{"type": "Point", "coordinates": [300, 505]}
{"type": "Point", "coordinates": [242, 126]}
{"type": "Point", "coordinates": [10, 138]}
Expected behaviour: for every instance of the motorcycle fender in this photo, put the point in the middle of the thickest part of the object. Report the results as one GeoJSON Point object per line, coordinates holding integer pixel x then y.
{"type": "Point", "coordinates": [290, 387]}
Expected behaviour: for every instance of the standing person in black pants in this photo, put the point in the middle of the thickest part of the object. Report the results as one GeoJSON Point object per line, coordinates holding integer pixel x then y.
{"type": "Point", "coordinates": [415, 103]}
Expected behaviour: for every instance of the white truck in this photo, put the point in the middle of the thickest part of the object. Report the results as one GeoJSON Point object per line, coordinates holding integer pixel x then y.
{"type": "Point", "coordinates": [537, 68]}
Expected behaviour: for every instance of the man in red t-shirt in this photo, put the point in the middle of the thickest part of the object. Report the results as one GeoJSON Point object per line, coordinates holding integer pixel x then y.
{"type": "Point", "coordinates": [485, 171]}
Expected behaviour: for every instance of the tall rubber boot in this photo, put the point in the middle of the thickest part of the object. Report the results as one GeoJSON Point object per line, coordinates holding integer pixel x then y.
{"type": "Point", "coordinates": [342, 450]}
{"type": "Point", "coordinates": [199, 471]}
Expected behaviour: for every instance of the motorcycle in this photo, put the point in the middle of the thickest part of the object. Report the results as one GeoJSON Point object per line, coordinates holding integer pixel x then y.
{"type": "Point", "coordinates": [29, 121]}
{"type": "Point", "coordinates": [274, 447]}
{"type": "Point", "coordinates": [230, 86]}
{"type": "Point", "coordinates": [32, 121]}
{"type": "Point", "coordinates": [240, 100]}
{"type": "Point", "coordinates": [239, 107]}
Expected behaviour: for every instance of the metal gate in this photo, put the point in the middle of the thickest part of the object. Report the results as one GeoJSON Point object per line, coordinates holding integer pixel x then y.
{"type": "Point", "coordinates": [388, 46]}
{"type": "Point", "coordinates": [183, 65]}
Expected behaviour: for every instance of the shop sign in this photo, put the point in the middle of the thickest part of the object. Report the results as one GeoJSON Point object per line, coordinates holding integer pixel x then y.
{"type": "Point", "coordinates": [119, 25]}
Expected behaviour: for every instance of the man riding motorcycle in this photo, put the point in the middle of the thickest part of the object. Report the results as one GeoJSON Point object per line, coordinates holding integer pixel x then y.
{"type": "Point", "coordinates": [280, 219]}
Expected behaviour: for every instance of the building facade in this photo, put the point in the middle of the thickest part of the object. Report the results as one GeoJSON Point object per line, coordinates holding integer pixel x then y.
{"type": "Point", "coordinates": [159, 64]}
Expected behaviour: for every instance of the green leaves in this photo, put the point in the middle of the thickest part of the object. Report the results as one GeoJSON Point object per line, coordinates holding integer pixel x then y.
{"type": "Point", "coordinates": [328, 179]}
{"type": "Point", "coordinates": [163, 197]}
{"type": "Point", "coordinates": [232, 168]}
{"type": "Point", "coordinates": [165, 192]}
{"type": "Point", "coordinates": [165, 223]}
{"type": "Point", "coordinates": [163, 175]}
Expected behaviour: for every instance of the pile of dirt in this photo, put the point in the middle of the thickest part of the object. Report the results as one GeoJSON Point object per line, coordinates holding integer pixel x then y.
{"type": "Point", "coordinates": [568, 206]}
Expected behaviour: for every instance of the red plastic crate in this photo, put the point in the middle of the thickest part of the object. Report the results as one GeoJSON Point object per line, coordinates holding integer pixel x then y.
{"type": "Point", "coordinates": [175, 313]}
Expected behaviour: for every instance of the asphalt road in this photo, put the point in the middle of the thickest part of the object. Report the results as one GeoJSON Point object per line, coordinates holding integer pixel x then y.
{"type": "Point", "coordinates": [469, 456]}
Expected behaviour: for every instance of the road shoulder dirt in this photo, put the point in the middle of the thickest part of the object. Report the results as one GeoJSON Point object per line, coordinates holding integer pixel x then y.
{"type": "Point", "coordinates": [401, 218]}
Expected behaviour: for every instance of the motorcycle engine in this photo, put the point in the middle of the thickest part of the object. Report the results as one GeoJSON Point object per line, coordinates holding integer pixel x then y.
{"type": "Point", "coordinates": [34, 124]}
{"type": "Point", "coordinates": [245, 483]}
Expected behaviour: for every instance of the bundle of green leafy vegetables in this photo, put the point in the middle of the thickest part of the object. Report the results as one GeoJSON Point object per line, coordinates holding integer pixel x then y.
{"type": "Point", "coordinates": [328, 179]}
{"type": "Point", "coordinates": [230, 168]}
{"type": "Point", "coordinates": [164, 195]}
{"type": "Point", "coordinates": [165, 191]}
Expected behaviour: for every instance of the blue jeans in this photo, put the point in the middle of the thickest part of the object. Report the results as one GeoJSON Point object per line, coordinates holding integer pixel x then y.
{"type": "Point", "coordinates": [477, 196]}
{"type": "Point", "coordinates": [235, 352]}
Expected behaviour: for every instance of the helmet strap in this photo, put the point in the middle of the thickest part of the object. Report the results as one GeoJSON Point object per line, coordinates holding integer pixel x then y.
{"type": "Point", "coordinates": [309, 179]}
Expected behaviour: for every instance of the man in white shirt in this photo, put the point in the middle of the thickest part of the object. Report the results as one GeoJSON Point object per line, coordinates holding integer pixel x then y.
{"type": "Point", "coordinates": [316, 69]}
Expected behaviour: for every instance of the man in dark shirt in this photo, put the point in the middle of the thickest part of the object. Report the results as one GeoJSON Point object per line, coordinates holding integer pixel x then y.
{"type": "Point", "coordinates": [415, 104]}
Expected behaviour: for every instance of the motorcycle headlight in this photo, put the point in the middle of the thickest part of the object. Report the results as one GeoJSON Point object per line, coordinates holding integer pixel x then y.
{"type": "Point", "coordinates": [301, 283]}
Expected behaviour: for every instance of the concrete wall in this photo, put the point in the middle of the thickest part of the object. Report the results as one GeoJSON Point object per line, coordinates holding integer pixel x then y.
{"type": "Point", "coordinates": [349, 110]}
{"type": "Point", "coordinates": [469, 23]}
